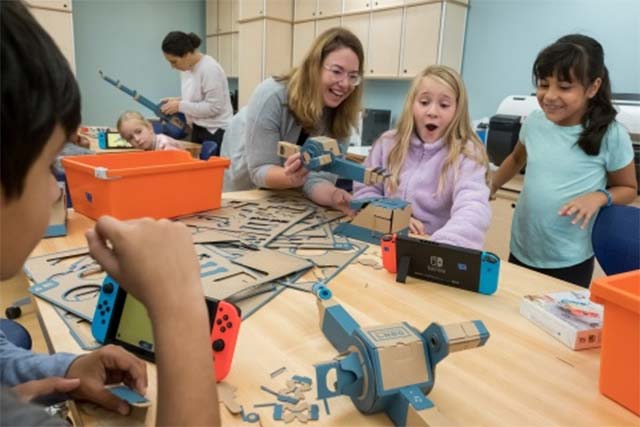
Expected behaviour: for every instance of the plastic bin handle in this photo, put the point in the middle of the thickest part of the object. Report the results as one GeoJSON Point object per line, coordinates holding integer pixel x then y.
{"type": "Point", "coordinates": [102, 173]}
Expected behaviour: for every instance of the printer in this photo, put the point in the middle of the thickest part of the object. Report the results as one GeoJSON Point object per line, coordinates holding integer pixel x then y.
{"type": "Point", "coordinates": [504, 126]}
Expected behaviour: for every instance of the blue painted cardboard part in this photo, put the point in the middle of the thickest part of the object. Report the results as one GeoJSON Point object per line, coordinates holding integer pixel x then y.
{"type": "Point", "coordinates": [174, 125]}
{"type": "Point", "coordinates": [389, 368]}
{"type": "Point", "coordinates": [323, 153]}
{"type": "Point", "coordinates": [376, 216]}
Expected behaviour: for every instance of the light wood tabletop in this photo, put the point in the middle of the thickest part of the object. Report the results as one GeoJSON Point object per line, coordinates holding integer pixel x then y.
{"type": "Point", "coordinates": [522, 376]}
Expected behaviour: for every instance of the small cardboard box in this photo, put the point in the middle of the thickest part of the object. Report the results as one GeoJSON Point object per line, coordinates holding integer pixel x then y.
{"type": "Point", "coordinates": [568, 316]}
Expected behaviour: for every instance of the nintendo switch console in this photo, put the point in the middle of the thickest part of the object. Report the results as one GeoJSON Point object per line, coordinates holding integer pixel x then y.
{"type": "Point", "coordinates": [108, 140]}
{"type": "Point", "coordinates": [123, 320]}
{"type": "Point", "coordinates": [462, 268]}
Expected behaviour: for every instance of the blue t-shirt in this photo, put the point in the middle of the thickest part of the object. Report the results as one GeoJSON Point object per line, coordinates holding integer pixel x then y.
{"type": "Point", "coordinates": [558, 171]}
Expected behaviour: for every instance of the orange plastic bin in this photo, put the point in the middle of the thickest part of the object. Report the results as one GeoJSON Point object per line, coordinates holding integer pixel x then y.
{"type": "Point", "coordinates": [620, 354]}
{"type": "Point", "coordinates": [157, 184]}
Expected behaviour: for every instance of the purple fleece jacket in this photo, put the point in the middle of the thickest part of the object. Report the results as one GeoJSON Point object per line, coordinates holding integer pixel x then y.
{"type": "Point", "coordinates": [459, 215]}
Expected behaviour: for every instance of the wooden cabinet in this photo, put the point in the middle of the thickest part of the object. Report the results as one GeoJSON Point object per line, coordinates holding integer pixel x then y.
{"type": "Point", "coordinates": [63, 5]}
{"type": "Point", "coordinates": [452, 35]}
{"type": "Point", "coordinates": [212, 46]}
{"type": "Point", "coordinates": [227, 16]}
{"type": "Point", "coordinates": [264, 50]}
{"type": "Point", "coordinates": [356, 5]}
{"type": "Point", "coordinates": [222, 34]}
{"type": "Point", "coordinates": [303, 35]}
{"type": "Point", "coordinates": [315, 9]}
{"type": "Point", "coordinates": [420, 38]}
{"type": "Point", "coordinates": [359, 26]}
{"type": "Point", "coordinates": [57, 20]}
{"type": "Point", "coordinates": [253, 9]}
{"type": "Point", "coordinates": [384, 43]}
{"type": "Point", "coordinates": [211, 13]}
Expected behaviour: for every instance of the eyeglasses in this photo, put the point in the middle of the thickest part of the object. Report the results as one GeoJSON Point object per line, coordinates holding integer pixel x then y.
{"type": "Point", "coordinates": [340, 74]}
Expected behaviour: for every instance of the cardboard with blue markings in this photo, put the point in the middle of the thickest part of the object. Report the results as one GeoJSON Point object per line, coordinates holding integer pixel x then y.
{"type": "Point", "coordinates": [389, 368]}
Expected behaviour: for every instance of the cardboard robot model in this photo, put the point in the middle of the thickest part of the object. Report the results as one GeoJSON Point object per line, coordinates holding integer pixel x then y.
{"type": "Point", "coordinates": [389, 368]}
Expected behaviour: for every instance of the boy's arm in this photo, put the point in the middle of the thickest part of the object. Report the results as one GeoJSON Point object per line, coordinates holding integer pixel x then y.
{"type": "Point", "coordinates": [509, 167]}
{"type": "Point", "coordinates": [156, 262]}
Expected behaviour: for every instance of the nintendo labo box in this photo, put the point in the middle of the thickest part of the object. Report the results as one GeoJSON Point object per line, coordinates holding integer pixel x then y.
{"type": "Point", "coordinates": [455, 266]}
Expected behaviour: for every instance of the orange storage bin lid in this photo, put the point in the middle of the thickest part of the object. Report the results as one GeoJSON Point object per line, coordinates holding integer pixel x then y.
{"type": "Point", "coordinates": [620, 289]}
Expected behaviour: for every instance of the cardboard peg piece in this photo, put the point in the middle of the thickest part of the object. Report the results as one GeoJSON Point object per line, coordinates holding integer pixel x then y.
{"type": "Point", "coordinates": [227, 395]}
{"type": "Point", "coordinates": [287, 149]}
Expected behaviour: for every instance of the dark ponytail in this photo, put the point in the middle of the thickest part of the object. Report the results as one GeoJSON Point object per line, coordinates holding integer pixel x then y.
{"type": "Point", "coordinates": [580, 57]}
{"type": "Point", "coordinates": [177, 43]}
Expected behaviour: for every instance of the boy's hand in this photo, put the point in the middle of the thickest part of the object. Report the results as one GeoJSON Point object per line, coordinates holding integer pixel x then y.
{"type": "Point", "coordinates": [416, 227]}
{"type": "Point", "coordinates": [154, 260]}
{"type": "Point", "coordinates": [108, 365]}
{"type": "Point", "coordinates": [340, 200]}
{"type": "Point", "coordinates": [32, 390]}
{"type": "Point", "coordinates": [170, 106]}
{"type": "Point", "coordinates": [295, 170]}
{"type": "Point", "coordinates": [583, 207]}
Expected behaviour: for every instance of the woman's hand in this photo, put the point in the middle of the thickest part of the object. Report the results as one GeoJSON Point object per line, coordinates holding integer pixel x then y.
{"type": "Point", "coordinates": [170, 106]}
{"type": "Point", "coordinates": [583, 207]}
{"type": "Point", "coordinates": [295, 171]}
{"type": "Point", "coordinates": [340, 201]}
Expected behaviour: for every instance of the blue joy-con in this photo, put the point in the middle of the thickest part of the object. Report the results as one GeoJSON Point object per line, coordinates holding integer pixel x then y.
{"type": "Point", "coordinates": [489, 273]}
{"type": "Point", "coordinates": [102, 139]}
{"type": "Point", "coordinates": [104, 310]}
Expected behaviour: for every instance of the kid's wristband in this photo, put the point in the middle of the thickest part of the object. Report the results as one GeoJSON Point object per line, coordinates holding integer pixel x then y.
{"type": "Point", "coordinates": [606, 193]}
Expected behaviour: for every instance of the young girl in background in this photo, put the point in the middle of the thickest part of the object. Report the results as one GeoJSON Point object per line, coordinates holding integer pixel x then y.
{"type": "Point", "coordinates": [578, 159]}
{"type": "Point", "coordinates": [436, 162]}
{"type": "Point", "coordinates": [138, 132]}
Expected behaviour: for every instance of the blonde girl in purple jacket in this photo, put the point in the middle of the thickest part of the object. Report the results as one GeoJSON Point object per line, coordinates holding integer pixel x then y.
{"type": "Point", "coordinates": [436, 161]}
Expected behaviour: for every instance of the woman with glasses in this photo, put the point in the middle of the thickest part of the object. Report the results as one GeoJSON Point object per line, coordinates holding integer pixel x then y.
{"type": "Point", "coordinates": [321, 97]}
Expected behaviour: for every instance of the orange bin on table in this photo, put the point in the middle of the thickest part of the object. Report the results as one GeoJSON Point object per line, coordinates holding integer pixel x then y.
{"type": "Point", "coordinates": [620, 354]}
{"type": "Point", "coordinates": [157, 184]}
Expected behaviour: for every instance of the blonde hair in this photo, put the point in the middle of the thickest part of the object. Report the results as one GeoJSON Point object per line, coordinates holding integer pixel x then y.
{"type": "Point", "coordinates": [457, 135]}
{"type": "Point", "coordinates": [303, 84]}
{"type": "Point", "coordinates": [131, 115]}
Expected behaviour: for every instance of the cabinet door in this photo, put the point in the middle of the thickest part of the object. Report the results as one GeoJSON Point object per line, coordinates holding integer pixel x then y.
{"type": "Point", "coordinates": [282, 9]}
{"type": "Point", "coordinates": [455, 18]}
{"type": "Point", "coordinates": [420, 41]}
{"type": "Point", "coordinates": [356, 5]}
{"type": "Point", "coordinates": [225, 18]}
{"type": "Point", "coordinates": [212, 47]}
{"type": "Point", "coordinates": [329, 8]}
{"type": "Point", "coordinates": [225, 51]}
{"type": "Point", "coordinates": [251, 9]}
{"type": "Point", "coordinates": [305, 9]}
{"type": "Point", "coordinates": [211, 7]}
{"type": "Point", "coordinates": [234, 55]}
{"type": "Point", "coordinates": [278, 40]}
{"type": "Point", "coordinates": [359, 25]}
{"type": "Point", "coordinates": [59, 25]}
{"type": "Point", "coordinates": [250, 45]}
{"type": "Point", "coordinates": [323, 25]}
{"type": "Point", "coordinates": [376, 4]}
{"type": "Point", "coordinates": [234, 15]}
{"type": "Point", "coordinates": [303, 36]}
{"type": "Point", "coordinates": [384, 43]}
{"type": "Point", "coordinates": [51, 4]}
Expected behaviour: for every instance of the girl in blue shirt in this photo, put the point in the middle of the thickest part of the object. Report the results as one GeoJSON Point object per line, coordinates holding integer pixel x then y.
{"type": "Point", "coordinates": [578, 159]}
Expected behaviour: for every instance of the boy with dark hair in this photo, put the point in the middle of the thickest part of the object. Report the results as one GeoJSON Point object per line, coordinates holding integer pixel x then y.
{"type": "Point", "coordinates": [40, 110]}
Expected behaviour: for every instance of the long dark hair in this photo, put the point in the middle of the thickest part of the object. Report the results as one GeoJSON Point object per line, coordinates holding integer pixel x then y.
{"type": "Point", "coordinates": [581, 57]}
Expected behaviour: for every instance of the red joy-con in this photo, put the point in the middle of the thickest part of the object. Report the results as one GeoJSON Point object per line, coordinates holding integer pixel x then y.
{"type": "Point", "coordinates": [224, 334]}
{"type": "Point", "coordinates": [388, 247]}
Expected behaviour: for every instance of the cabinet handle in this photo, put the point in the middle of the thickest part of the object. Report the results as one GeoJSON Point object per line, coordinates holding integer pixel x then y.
{"type": "Point", "coordinates": [366, 5]}
{"type": "Point", "coordinates": [405, 71]}
{"type": "Point", "coordinates": [376, 4]}
{"type": "Point", "coordinates": [313, 14]}
{"type": "Point", "coordinates": [320, 13]}
{"type": "Point", "coordinates": [371, 71]}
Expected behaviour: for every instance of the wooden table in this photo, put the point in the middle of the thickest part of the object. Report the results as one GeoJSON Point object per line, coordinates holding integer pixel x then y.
{"type": "Point", "coordinates": [522, 376]}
